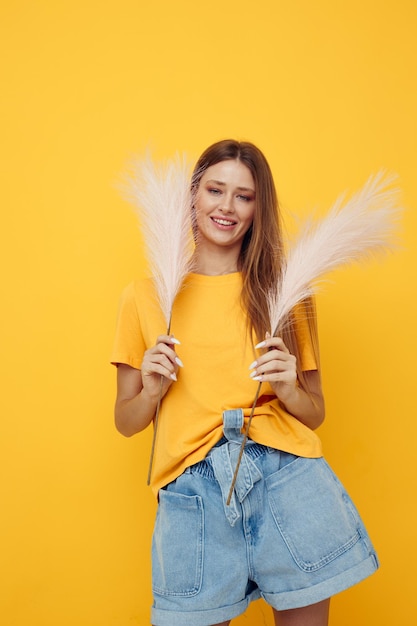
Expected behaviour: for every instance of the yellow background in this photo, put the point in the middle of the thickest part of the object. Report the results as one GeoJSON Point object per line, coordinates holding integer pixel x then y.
{"type": "Point", "coordinates": [328, 90]}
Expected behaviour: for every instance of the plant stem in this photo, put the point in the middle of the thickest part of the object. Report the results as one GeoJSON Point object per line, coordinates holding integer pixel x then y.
{"type": "Point", "coordinates": [242, 447]}
{"type": "Point", "coordinates": [155, 423]}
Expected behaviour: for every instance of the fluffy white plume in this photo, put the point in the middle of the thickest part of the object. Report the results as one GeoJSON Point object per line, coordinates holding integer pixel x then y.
{"type": "Point", "coordinates": [351, 231]}
{"type": "Point", "coordinates": [161, 194]}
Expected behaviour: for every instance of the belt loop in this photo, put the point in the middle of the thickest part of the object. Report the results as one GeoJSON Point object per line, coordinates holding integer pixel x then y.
{"type": "Point", "coordinates": [232, 424]}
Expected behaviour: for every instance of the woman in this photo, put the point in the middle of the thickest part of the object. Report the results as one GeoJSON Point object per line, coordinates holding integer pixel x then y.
{"type": "Point", "coordinates": [290, 533]}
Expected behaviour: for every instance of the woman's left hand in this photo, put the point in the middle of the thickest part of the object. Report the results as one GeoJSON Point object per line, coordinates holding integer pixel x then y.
{"type": "Point", "coordinates": [277, 366]}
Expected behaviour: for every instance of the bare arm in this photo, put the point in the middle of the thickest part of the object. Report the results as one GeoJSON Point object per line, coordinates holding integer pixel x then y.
{"type": "Point", "coordinates": [278, 367]}
{"type": "Point", "coordinates": [138, 390]}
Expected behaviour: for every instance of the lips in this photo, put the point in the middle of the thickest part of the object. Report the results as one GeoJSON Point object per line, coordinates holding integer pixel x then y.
{"type": "Point", "coordinates": [222, 222]}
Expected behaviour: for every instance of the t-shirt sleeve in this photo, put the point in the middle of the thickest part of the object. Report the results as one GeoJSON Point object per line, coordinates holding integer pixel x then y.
{"type": "Point", "coordinates": [129, 345]}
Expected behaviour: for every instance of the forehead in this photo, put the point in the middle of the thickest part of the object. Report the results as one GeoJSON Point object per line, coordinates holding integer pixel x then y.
{"type": "Point", "coordinates": [230, 172]}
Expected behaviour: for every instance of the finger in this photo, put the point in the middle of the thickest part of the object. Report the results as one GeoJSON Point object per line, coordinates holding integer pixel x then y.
{"type": "Point", "coordinates": [286, 364]}
{"type": "Point", "coordinates": [163, 348]}
{"type": "Point", "coordinates": [275, 376]}
{"type": "Point", "coordinates": [158, 369]}
{"type": "Point", "coordinates": [168, 339]}
{"type": "Point", "coordinates": [159, 363]}
{"type": "Point", "coordinates": [265, 370]}
{"type": "Point", "coordinates": [272, 342]}
{"type": "Point", "coordinates": [273, 356]}
{"type": "Point", "coordinates": [161, 359]}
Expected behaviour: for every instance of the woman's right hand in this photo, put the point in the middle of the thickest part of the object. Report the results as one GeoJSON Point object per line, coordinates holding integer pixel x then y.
{"type": "Point", "coordinates": [138, 390]}
{"type": "Point", "coordinates": [160, 360]}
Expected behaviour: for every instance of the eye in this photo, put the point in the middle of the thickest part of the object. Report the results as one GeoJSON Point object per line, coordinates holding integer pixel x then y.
{"type": "Point", "coordinates": [214, 191]}
{"type": "Point", "coordinates": [245, 198]}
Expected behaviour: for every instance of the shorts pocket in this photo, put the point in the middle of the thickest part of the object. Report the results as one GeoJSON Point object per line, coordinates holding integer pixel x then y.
{"type": "Point", "coordinates": [177, 545]}
{"type": "Point", "coordinates": [313, 512]}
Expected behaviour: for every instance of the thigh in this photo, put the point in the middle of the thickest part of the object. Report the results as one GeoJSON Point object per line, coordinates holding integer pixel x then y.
{"type": "Point", "coordinates": [313, 615]}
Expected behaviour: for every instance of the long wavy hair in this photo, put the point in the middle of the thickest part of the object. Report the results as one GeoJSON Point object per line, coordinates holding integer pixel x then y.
{"type": "Point", "coordinates": [262, 253]}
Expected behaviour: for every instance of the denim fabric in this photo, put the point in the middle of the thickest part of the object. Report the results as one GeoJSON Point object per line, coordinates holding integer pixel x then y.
{"type": "Point", "coordinates": [291, 534]}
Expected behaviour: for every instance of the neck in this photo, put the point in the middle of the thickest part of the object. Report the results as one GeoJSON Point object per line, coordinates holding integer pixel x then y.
{"type": "Point", "coordinates": [215, 265]}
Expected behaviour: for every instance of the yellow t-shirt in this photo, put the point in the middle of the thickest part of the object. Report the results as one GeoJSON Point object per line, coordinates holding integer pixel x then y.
{"type": "Point", "coordinates": [208, 320]}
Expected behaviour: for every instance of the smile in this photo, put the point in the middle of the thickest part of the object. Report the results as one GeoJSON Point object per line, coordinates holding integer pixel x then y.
{"type": "Point", "coordinates": [223, 222]}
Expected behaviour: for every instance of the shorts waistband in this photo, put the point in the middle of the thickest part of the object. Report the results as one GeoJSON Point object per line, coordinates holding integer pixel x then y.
{"type": "Point", "coordinates": [205, 468]}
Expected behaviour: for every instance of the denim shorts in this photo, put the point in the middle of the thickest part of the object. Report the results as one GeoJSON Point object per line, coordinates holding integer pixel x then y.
{"type": "Point", "coordinates": [290, 535]}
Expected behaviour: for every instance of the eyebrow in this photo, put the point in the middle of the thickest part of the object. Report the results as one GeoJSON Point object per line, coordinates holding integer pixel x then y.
{"type": "Point", "coordinates": [221, 184]}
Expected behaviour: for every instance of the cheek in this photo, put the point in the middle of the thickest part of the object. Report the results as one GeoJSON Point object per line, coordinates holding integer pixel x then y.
{"type": "Point", "coordinates": [250, 214]}
{"type": "Point", "coordinates": [201, 205]}
{"type": "Point", "coordinates": [249, 220]}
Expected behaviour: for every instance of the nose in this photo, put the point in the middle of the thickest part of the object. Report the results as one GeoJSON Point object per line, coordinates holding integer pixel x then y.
{"type": "Point", "coordinates": [226, 204]}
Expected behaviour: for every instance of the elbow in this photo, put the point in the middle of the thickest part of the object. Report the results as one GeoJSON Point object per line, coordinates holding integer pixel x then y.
{"type": "Point", "coordinates": [123, 426]}
{"type": "Point", "coordinates": [319, 421]}
{"type": "Point", "coordinates": [124, 431]}
{"type": "Point", "coordinates": [127, 422]}
{"type": "Point", "coordinates": [320, 414]}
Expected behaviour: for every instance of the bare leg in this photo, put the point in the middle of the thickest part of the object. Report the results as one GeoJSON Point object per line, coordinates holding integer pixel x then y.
{"type": "Point", "coordinates": [313, 615]}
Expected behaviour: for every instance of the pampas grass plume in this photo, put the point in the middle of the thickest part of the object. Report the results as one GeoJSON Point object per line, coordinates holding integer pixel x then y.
{"type": "Point", "coordinates": [352, 231]}
{"type": "Point", "coordinates": [160, 193]}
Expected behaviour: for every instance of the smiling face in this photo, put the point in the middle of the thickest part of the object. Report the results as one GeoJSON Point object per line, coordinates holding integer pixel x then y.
{"type": "Point", "coordinates": [224, 206]}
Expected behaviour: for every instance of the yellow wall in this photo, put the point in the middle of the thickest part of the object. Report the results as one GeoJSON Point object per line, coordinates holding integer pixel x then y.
{"type": "Point", "coordinates": [328, 90]}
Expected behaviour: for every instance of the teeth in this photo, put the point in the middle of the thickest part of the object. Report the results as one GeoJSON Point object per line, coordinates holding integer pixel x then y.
{"type": "Point", "coordinates": [223, 222]}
